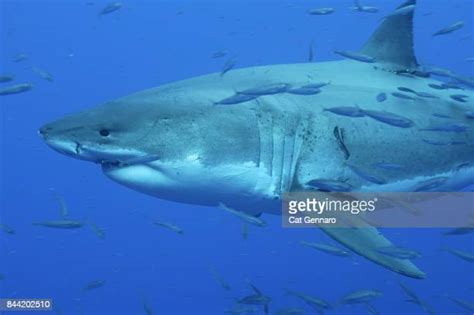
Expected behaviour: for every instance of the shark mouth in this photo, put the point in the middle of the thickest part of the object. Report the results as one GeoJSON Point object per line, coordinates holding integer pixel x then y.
{"type": "Point", "coordinates": [108, 157]}
{"type": "Point", "coordinates": [115, 164]}
{"type": "Point", "coordinates": [113, 158]}
{"type": "Point", "coordinates": [69, 148]}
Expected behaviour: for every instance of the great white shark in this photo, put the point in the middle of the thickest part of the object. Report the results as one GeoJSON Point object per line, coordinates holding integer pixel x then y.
{"type": "Point", "coordinates": [176, 141]}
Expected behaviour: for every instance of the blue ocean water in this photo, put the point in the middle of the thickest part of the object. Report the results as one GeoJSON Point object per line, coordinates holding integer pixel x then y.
{"type": "Point", "coordinates": [144, 44]}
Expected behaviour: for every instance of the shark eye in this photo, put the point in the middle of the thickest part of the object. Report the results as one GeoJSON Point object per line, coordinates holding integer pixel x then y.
{"type": "Point", "coordinates": [104, 132]}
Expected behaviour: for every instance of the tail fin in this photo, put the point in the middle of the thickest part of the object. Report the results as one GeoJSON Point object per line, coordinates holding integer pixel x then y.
{"type": "Point", "coordinates": [392, 43]}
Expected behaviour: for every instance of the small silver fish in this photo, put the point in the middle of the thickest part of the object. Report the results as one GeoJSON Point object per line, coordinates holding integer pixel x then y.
{"type": "Point", "coordinates": [438, 115]}
{"type": "Point", "coordinates": [450, 127]}
{"type": "Point", "coordinates": [425, 95]}
{"type": "Point", "coordinates": [390, 118]}
{"type": "Point", "coordinates": [244, 216]}
{"type": "Point", "coordinates": [7, 229]}
{"type": "Point", "coordinates": [371, 309]}
{"type": "Point", "coordinates": [398, 252]}
{"type": "Point", "coordinates": [364, 8]}
{"type": "Point", "coordinates": [413, 298]}
{"type": "Point", "coordinates": [449, 29]}
{"type": "Point", "coordinates": [318, 304]}
{"type": "Point", "coordinates": [441, 143]}
{"type": "Point", "coordinates": [111, 7]}
{"type": "Point", "coordinates": [15, 89]}
{"type": "Point", "coordinates": [389, 166]}
{"type": "Point", "coordinates": [328, 249]}
{"type": "Point", "coordinates": [94, 285]}
{"type": "Point", "coordinates": [147, 308]}
{"type": "Point", "coordinates": [436, 86]}
{"type": "Point", "coordinates": [361, 296]}
{"type": "Point", "coordinates": [368, 177]}
{"type": "Point", "coordinates": [60, 224]}
{"type": "Point", "coordinates": [236, 99]}
{"type": "Point", "coordinates": [241, 310]}
{"type": "Point", "coordinates": [256, 299]}
{"type": "Point", "coordinates": [442, 72]}
{"type": "Point", "coordinates": [407, 74]}
{"type": "Point", "coordinates": [43, 74]}
{"type": "Point", "coordinates": [339, 134]}
{"type": "Point", "coordinates": [20, 57]}
{"type": "Point", "coordinates": [229, 65]}
{"type": "Point", "coordinates": [304, 91]}
{"type": "Point", "coordinates": [245, 231]}
{"type": "Point", "coordinates": [310, 52]}
{"type": "Point", "coordinates": [98, 231]}
{"type": "Point", "coordinates": [290, 311]}
{"type": "Point", "coordinates": [432, 184]}
{"type": "Point", "coordinates": [219, 54]}
{"type": "Point", "coordinates": [467, 81]}
{"type": "Point", "coordinates": [270, 89]}
{"type": "Point", "coordinates": [317, 85]}
{"type": "Point", "coordinates": [451, 85]}
{"type": "Point", "coordinates": [467, 256]}
{"type": "Point", "coordinates": [329, 185]}
{"type": "Point", "coordinates": [468, 306]}
{"type": "Point", "coordinates": [463, 166]}
{"type": "Point", "coordinates": [321, 11]}
{"type": "Point", "coordinates": [460, 231]}
{"type": "Point", "coordinates": [349, 111]}
{"type": "Point", "coordinates": [405, 89]}
{"type": "Point", "coordinates": [4, 78]}
{"type": "Point", "coordinates": [169, 226]}
{"type": "Point", "coordinates": [63, 210]}
{"type": "Point", "coordinates": [402, 96]}
{"type": "Point", "coordinates": [459, 97]}
{"type": "Point", "coordinates": [408, 292]}
{"type": "Point", "coordinates": [219, 279]}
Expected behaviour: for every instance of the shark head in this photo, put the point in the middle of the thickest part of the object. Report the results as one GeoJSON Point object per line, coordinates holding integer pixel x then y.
{"type": "Point", "coordinates": [99, 135]}
{"type": "Point", "coordinates": [167, 142]}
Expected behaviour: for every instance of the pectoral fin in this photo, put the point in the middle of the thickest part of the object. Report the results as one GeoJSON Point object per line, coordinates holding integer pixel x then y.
{"type": "Point", "coordinates": [365, 241]}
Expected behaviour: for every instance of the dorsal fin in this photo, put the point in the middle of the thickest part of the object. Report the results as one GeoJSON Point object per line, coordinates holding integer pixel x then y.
{"type": "Point", "coordinates": [392, 42]}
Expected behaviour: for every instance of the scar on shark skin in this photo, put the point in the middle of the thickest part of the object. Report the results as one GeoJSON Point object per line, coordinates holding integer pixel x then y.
{"type": "Point", "coordinates": [339, 135]}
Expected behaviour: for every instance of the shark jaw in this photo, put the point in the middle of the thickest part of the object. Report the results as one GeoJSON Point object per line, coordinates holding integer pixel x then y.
{"type": "Point", "coordinates": [244, 186]}
{"type": "Point", "coordinates": [109, 157]}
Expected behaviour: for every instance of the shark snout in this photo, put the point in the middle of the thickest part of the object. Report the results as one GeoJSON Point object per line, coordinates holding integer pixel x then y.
{"type": "Point", "coordinates": [93, 151]}
{"type": "Point", "coordinates": [60, 144]}
{"type": "Point", "coordinates": [70, 148]}
{"type": "Point", "coordinates": [43, 131]}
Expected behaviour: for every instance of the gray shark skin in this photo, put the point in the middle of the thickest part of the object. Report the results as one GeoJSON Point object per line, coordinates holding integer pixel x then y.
{"type": "Point", "coordinates": [175, 142]}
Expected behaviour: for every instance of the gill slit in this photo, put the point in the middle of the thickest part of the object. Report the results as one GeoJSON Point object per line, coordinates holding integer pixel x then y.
{"type": "Point", "coordinates": [281, 142]}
